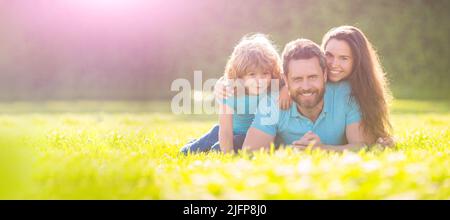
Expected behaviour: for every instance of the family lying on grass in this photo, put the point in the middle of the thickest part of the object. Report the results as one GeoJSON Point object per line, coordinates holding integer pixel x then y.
{"type": "Point", "coordinates": [334, 98]}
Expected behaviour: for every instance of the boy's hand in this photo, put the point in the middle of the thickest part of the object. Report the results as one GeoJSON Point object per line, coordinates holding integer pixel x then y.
{"type": "Point", "coordinates": [221, 90]}
{"type": "Point", "coordinates": [284, 100]}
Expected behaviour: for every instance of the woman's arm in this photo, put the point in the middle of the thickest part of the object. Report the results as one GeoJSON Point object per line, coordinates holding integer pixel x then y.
{"type": "Point", "coordinates": [226, 128]}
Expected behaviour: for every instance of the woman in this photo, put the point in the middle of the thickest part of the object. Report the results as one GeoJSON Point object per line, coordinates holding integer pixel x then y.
{"type": "Point", "coordinates": [350, 56]}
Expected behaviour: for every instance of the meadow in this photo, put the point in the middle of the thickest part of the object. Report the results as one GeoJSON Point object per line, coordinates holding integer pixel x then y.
{"type": "Point", "coordinates": [130, 150]}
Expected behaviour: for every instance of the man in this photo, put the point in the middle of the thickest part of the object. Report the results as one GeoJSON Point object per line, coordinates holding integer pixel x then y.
{"type": "Point", "coordinates": [322, 115]}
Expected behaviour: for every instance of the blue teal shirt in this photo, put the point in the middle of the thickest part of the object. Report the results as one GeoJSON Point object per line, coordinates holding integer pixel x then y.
{"type": "Point", "coordinates": [244, 112]}
{"type": "Point", "coordinates": [339, 111]}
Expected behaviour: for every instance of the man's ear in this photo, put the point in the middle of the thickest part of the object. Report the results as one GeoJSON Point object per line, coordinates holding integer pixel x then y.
{"type": "Point", "coordinates": [325, 76]}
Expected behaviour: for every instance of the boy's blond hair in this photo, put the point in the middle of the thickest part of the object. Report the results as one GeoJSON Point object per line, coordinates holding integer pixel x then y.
{"type": "Point", "coordinates": [252, 53]}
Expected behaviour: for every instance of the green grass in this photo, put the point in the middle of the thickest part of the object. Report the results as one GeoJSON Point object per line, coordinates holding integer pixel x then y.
{"type": "Point", "coordinates": [119, 150]}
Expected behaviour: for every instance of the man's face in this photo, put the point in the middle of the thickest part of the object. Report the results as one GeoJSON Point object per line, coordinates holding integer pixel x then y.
{"type": "Point", "coordinates": [306, 82]}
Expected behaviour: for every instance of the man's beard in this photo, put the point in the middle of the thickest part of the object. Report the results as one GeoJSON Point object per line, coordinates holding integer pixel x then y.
{"type": "Point", "coordinates": [309, 102]}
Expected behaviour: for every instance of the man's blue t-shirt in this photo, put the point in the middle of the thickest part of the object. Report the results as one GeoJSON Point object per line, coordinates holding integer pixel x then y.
{"type": "Point", "coordinates": [339, 111]}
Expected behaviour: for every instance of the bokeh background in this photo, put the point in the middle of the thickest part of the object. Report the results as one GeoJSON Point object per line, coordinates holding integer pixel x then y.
{"type": "Point", "coordinates": [85, 100]}
{"type": "Point", "coordinates": [133, 50]}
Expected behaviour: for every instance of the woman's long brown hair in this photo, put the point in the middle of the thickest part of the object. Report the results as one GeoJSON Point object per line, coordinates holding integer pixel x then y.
{"type": "Point", "coordinates": [368, 81]}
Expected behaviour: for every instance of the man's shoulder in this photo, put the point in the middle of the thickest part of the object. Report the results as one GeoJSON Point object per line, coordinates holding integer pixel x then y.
{"type": "Point", "coordinates": [340, 99]}
{"type": "Point", "coordinates": [268, 101]}
{"type": "Point", "coordinates": [340, 92]}
{"type": "Point", "coordinates": [342, 87]}
{"type": "Point", "coordinates": [270, 112]}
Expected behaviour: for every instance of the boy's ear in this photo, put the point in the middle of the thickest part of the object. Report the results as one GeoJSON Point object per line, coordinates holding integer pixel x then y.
{"type": "Point", "coordinates": [325, 76]}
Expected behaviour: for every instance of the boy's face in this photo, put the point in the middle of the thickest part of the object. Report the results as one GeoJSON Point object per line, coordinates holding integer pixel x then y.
{"type": "Point", "coordinates": [306, 82]}
{"type": "Point", "coordinates": [257, 81]}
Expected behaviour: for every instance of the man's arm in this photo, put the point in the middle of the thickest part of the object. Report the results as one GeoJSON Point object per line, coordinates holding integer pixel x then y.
{"type": "Point", "coordinates": [355, 138]}
{"type": "Point", "coordinates": [257, 139]}
{"type": "Point", "coordinates": [264, 126]}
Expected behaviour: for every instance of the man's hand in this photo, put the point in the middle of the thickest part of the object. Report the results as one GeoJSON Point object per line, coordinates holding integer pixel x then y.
{"type": "Point", "coordinates": [309, 139]}
{"type": "Point", "coordinates": [284, 99]}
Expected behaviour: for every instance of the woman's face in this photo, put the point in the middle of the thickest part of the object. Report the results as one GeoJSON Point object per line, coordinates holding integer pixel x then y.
{"type": "Point", "coordinates": [339, 59]}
